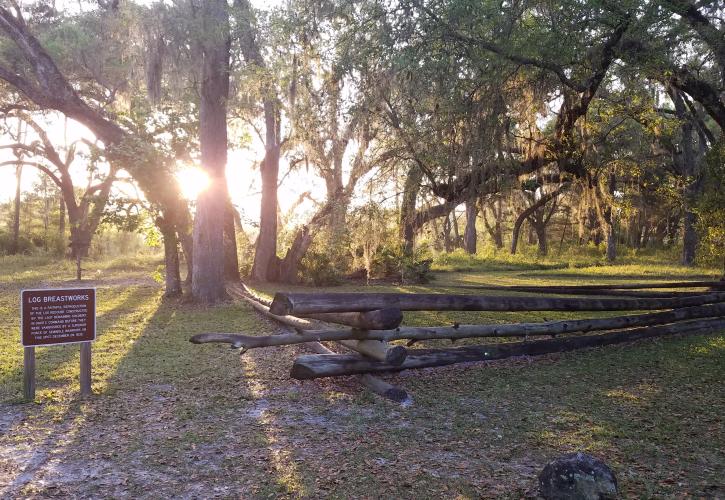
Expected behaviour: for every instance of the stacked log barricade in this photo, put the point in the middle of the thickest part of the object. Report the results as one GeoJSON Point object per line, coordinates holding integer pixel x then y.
{"type": "Point", "coordinates": [367, 323]}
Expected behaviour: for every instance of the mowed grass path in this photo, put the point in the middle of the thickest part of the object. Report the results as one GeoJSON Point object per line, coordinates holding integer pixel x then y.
{"type": "Point", "coordinates": [172, 419]}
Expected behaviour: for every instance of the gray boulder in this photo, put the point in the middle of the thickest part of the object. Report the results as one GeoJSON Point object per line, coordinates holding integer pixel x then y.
{"type": "Point", "coordinates": [577, 476]}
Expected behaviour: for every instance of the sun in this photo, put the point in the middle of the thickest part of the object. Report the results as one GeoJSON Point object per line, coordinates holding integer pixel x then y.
{"type": "Point", "coordinates": [193, 181]}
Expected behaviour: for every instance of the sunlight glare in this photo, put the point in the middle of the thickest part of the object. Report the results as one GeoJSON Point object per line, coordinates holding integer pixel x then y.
{"type": "Point", "coordinates": [193, 181]}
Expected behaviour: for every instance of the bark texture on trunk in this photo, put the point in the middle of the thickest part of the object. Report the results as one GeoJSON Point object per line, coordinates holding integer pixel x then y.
{"type": "Point", "coordinates": [265, 263]}
{"type": "Point", "coordinates": [231, 259]}
{"type": "Point", "coordinates": [495, 230]}
{"type": "Point", "coordinates": [407, 208]}
{"type": "Point", "coordinates": [469, 236]}
{"type": "Point", "coordinates": [171, 258]}
{"type": "Point", "coordinates": [265, 255]}
{"type": "Point", "coordinates": [61, 218]}
{"type": "Point", "coordinates": [207, 282]}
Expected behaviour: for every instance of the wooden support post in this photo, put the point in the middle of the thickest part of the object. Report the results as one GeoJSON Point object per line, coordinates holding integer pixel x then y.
{"type": "Point", "coordinates": [298, 326]}
{"type": "Point", "coordinates": [29, 373]}
{"type": "Point", "coordinates": [86, 369]}
{"type": "Point", "coordinates": [378, 350]}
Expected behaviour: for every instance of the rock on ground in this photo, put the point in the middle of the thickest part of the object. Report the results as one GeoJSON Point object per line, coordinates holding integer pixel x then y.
{"type": "Point", "coordinates": [577, 476]}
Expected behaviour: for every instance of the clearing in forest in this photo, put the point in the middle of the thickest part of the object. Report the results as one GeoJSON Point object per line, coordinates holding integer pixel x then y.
{"type": "Point", "coordinates": [171, 418]}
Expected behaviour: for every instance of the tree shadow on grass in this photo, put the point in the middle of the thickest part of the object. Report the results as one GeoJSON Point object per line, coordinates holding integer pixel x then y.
{"type": "Point", "coordinates": [175, 419]}
{"type": "Point", "coordinates": [169, 418]}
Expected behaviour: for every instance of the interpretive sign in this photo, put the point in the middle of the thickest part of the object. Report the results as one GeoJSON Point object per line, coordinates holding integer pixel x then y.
{"type": "Point", "coordinates": [58, 316]}
{"type": "Point", "coordinates": [51, 317]}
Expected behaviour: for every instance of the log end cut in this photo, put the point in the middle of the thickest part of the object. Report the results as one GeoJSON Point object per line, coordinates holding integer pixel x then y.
{"type": "Point", "coordinates": [281, 305]}
{"type": "Point", "coordinates": [395, 355]}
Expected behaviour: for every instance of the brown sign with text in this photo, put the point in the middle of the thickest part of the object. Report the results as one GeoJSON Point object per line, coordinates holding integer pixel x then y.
{"type": "Point", "coordinates": [58, 316]}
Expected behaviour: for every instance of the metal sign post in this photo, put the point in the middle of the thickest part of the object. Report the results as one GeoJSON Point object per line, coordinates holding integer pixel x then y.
{"type": "Point", "coordinates": [52, 317]}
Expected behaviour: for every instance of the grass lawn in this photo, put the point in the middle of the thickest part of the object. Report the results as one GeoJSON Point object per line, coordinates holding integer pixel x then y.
{"type": "Point", "coordinates": [169, 418]}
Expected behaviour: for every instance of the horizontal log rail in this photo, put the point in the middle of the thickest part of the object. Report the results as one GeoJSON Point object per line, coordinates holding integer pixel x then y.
{"type": "Point", "coordinates": [715, 285]}
{"type": "Point", "coordinates": [380, 319]}
{"type": "Point", "coordinates": [646, 294]}
{"type": "Point", "coordinates": [458, 332]}
{"type": "Point", "coordinates": [317, 366]}
{"type": "Point", "coordinates": [313, 303]}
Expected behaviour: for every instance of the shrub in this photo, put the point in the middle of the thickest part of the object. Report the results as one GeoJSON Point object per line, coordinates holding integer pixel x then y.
{"type": "Point", "coordinates": [391, 262]}
{"type": "Point", "coordinates": [318, 269]}
{"type": "Point", "coordinates": [25, 245]}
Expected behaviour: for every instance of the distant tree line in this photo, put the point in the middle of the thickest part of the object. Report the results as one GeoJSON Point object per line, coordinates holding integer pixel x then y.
{"type": "Point", "coordinates": [420, 117]}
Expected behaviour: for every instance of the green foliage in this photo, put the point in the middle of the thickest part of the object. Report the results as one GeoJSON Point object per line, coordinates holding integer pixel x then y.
{"type": "Point", "coordinates": [711, 208]}
{"type": "Point", "coordinates": [317, 268]}
{"type": "Point", "coordinates": [386, 262]}
{"type": "Point", "coordinates": [416, 269]}
{"type": "Point", "coordinates": [25, 244]}
{"type": "Point", "coordinates": [392, 262]}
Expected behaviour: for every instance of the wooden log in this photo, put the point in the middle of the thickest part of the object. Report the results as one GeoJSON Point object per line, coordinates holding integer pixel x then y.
{"type": "Point", "coordinates": [471, 331]}
{"type": "Point", "coordinates": [372, 348]}
{"type": "Point", "coordinates": [378, 350]}
{"type": "Point", "coordinates": [381, 319]}
{"type": "Point", "coordinates": [316, 366]}
{"type": "Point", "coordinates": [297, 325]}
{"type": "Point", "coordinates": [312, 303]}
{"type": "Point", "coordinates": [715, 285]}
{"type": "Point", "coordinates": [385, 389]}
{"type": "Point", "coordinates": [647, 294]}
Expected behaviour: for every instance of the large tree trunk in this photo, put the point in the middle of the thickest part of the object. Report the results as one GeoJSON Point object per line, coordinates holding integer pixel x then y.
{"type": "Point", "coordinates": [610, 237]}
{"type": "Point", "coordinates": [469, 235]}
{"type": "Point", "coordinates": [231, 259]}
{"type": "Point", "coordinates": [541, 202]}
{"type": "Point", "coordinates": [540, 229]}
{"type": "Point", "coordinates": [447, 243]}
{"type": "Point", "coordinates": [61, 218]}
{"type": "Point", "coordinates": [338, 213]}
{"type": "Point", "coordinates": [207, 283]}
{"type": "Point", "coordinates": [171, 258]}
{"type": "Point", "coordinates": [288, 269]}
{"type": "Point", "coordinates": [265, 255]}
{"type": "Point", "coordinates": [16, 211]}
{"type": "Point", "coordinates": [689, 238]}
{"type": "Point", "coordinates": [495, 231]}
{"type": "Point", "coordinates": [407, 208]}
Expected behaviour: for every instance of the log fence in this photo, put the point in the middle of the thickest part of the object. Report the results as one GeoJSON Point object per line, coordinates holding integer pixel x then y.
{"type": "Point", "coordinates": [366, 323]}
